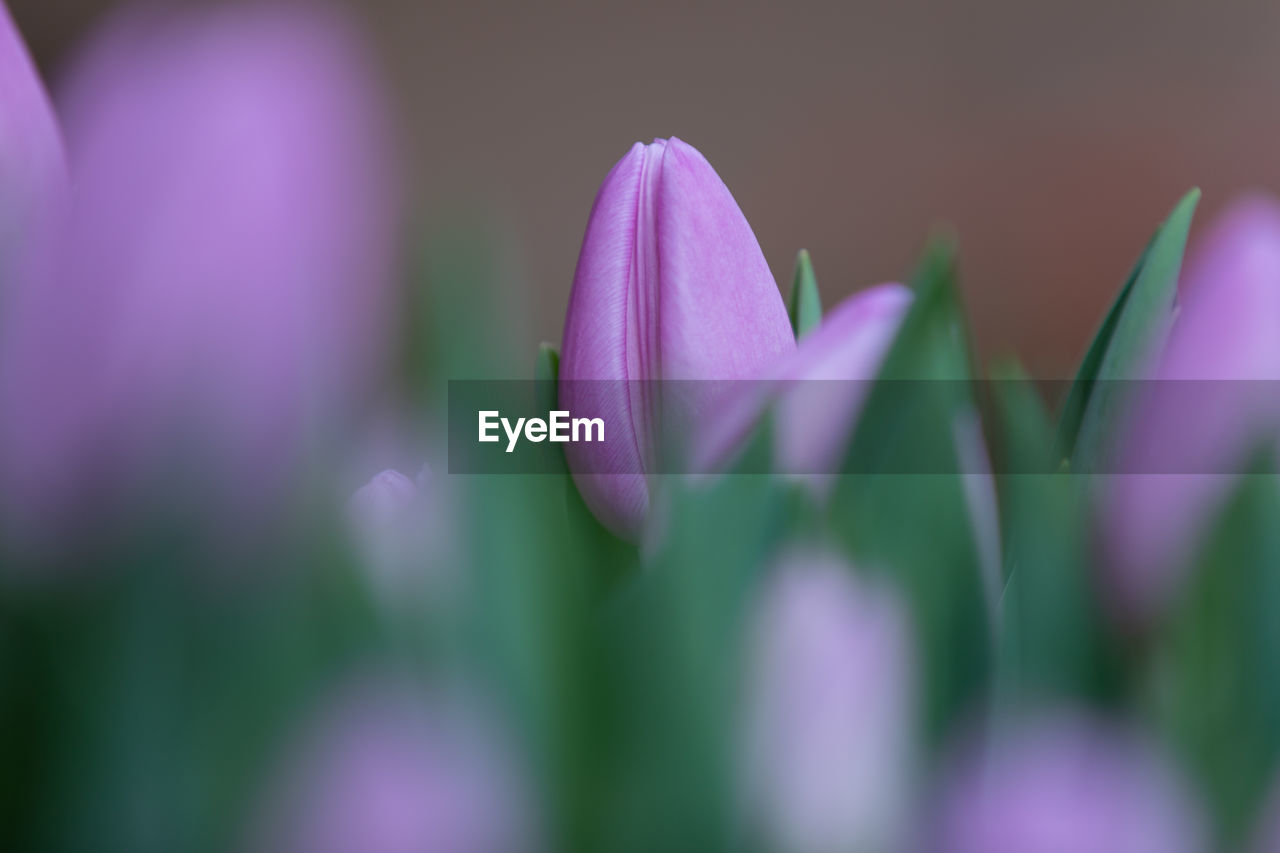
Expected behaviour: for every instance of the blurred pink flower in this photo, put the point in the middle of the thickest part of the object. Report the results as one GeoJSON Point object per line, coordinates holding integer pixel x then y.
{"type": "Point", "coordinates": [831, 372]}
{"type": "Point", "coordinates": [1191, 431]}
{"type": "Point", "coordinates": [1064, 786]}
{"type": "Point", "coordinates": [818, 389]}
{"type": "Point", "coordinates": [831, 711]}
{"type": "Point", "coordinates": [386, 769]}
{"type": "Point", "coordinates": [215, 297]}
{"type": "Point", "coordinates": [671, 285]}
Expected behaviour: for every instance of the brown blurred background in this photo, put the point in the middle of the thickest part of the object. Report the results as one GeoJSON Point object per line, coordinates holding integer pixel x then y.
{"type": "Point", "coordinates": [1054, 137]}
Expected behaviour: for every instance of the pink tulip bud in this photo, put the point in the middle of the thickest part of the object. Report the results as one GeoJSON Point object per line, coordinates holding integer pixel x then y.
{"type": "Point", "coordinates": [829, 377]}
{"type": "Point", "coordinates": [33, 171]}
{"type": "Point", "coordinates": [1191, 431]}
{"type": "Point", "coordinates": [1064, 786]}
{"type": "Point", "coordinates": [386, 770]}
{"type": "Point", "coordinates": [215, 299]}
{"type": "Point", "coordinates": [671, 285]}
{"type": "Point", "coordinates": [831, 712]}
{"type": "Point", "coordinates": [817, 391]}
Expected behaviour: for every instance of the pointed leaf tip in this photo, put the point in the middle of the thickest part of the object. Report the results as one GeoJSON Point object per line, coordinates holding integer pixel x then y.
{"type": "Point", "coordinates": [1133, 326]}
{"type": "Point", "coordinates": [805, 305]}
{"type": "Point", "coordinates": [546, 376]}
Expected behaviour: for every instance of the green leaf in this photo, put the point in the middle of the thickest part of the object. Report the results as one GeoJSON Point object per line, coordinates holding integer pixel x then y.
{"type": "Point", "coordinates": [1077, 399]}
{"type": "Point", "coordinates": [112, 751]}
{"type": "Point", "coordinates": [546, 374]}
{"type": "Point", "coordinates": [546, 381]}
{"type": "Point", "coordinates": [676, 639]}
{"type": "Point", "coordinates": [1054, 643]}
{"type": "Point", "coordinates": [613, 558]}
{"type": "Point", "coordinates": [805, 305]}
{"type": "Point", "coordinates": [531, 615]}
{"type": "Point", "coordinates": [538, 566]}
{"type": "Point", "coordinates": [1137, 320]}
{"type": "Point", "coordinates": [901, 506]}
{"type": "Point", "coordinates": [1218, 665]}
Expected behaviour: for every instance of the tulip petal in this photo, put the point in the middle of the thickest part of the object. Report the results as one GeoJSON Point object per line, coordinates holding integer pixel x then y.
{"type": "Point", "coordinates": [597, 352]}
{"type": "Point", "coordinates": [830, 376]}
{"type": "Point", "coordinates": [33, 172]}
{"type": "Point", "coordinates": [721, 314]}
{"type": "Point", "coordinates": [819, 389]}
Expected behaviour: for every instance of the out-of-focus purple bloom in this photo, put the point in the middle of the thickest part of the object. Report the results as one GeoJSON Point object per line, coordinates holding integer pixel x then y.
{"type": "Point", "coordinates": [818, 390]}
{"type": "Point", "coordinates": [1193, 429]}
{"type": "Point", "coordinates": [1064, 786]}
{"type": "Point", "coordinates": [387, 770]}
{"type": "Point", "coordinates": [215, 297]}
{"type": "Point", "coordinates": [671, 285]}
{"type": "Point", "coordinates": [33, 171]}
{"type": "Point", "coordinates": [831, 712]}
{"type": "Point", "coordinates": [832, 371]}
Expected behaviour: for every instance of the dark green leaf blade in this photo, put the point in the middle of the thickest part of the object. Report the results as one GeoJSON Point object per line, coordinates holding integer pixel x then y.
{"type": "Point", "coordinates": [677, 640]}
{"type": "Point", "coordinates": [902, 477]}
{"type": "Point", "coordinates": [590, 539]}
{"type": "Point", "coordinates": [1054, 645]}
{"type": "Point", "coordinates": [1077, 399]}
{"type": "Point", "coordinates": [1135, 322]}
{"type": "Point", "coordinates": [1219, 658]}
{"type": "Point", "coordinates": [805, 305]}
{"type": "Point", "coordinates": [546, 373]}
